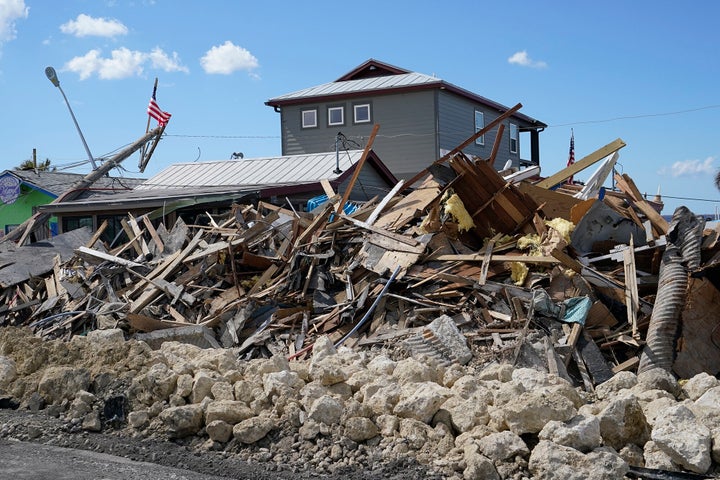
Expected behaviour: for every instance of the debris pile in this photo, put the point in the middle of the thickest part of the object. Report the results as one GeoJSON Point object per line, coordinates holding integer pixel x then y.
{"type": "Point", "coordinates": [467, 269]}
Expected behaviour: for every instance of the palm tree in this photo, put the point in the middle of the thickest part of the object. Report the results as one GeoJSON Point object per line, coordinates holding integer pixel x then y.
{"type": "Point", "coordinates": [717, 179]}
{"type": "Point", "coordinates": [33, 165]}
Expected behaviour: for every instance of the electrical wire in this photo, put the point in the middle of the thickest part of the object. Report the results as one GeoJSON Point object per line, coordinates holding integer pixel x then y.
{"type": "Point", "coordinates": [632, 117]}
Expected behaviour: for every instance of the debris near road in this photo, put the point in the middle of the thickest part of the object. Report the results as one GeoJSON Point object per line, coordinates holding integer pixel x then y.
{"type": "Point", "coordinates": [502, 259]}
{"type": "Point", "coordinates": [413, 324]}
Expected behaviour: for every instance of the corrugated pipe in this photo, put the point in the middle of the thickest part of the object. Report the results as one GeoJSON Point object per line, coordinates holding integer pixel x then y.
{"type": "Point", "coordinates": [681, 254]}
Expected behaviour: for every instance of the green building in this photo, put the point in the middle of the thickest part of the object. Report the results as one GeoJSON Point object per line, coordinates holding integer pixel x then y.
{"type": "Point", "coordinates": [22, 191]}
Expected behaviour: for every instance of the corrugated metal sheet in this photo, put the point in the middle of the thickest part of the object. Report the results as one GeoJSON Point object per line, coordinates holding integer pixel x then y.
{"type": "Point", "coordinates": [368, 85]}
{"type": "Point", "coordinates": [270, 171]}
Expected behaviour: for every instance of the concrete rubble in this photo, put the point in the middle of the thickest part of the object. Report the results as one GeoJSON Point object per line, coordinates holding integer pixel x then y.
{"type": "Point", "coordinates": [344, 408]}
{"type": "Point", "coordinates": [489, 328]}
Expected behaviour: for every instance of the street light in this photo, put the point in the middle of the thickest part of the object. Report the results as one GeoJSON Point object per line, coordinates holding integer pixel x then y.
{"type": "Point", "coordinates": [52, 76]}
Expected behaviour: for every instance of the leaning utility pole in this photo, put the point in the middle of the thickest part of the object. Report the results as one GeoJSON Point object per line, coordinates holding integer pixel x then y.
{"type": "Point", "coordinates": [38, 219]}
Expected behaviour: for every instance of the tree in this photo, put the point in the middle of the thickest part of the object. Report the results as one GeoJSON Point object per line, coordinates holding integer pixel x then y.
{"type": "Point", "coordinates": [31, 165]}
{"type": "Point", "coordinates": [717, 179]}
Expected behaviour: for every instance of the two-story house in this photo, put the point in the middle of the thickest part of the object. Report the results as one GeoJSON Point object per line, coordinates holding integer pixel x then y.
{"type": "Point", "coordinates": [420, 116]}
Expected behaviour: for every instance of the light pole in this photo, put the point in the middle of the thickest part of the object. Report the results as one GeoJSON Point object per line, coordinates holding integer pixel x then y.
{"type": "Point", "coordinates": [52, 76]}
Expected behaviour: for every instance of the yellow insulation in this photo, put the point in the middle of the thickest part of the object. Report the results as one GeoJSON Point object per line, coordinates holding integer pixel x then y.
{"type": "Point", "coordinates": [455, 207]}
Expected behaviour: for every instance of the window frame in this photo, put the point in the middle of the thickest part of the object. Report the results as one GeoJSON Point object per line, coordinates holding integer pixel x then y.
{"type": "Point", "coordinates": [481, 139]}
{"type": "Point", "coordinates": [302, 118]}
{"type": "Point", "coordinates": [514, 140]}
{"type": "Point", "coordinates": [355, 110]}
{"type": "Point", "coordinates": [330, 109]}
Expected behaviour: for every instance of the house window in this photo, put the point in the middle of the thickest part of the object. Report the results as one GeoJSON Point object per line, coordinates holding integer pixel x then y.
{"type": "Point", "coordinates": [513, 138]}
{"type": "Point", "coordinates": [479, 125]}
{"type": "Point", "coordinates": [309, 118]}
{"type": "Point", "coordinates": [361, 113]}
{"type": "Point", "coordinates": [336, 116]}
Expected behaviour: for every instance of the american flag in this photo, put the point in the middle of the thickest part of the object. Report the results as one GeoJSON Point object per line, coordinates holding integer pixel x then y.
{"type": "Point", "coordinates": [155, 112]}
{"type": "Point", "coordinates": [571, 155]}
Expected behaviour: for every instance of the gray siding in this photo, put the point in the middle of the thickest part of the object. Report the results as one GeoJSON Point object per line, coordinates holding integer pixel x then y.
{"type": "Point", "coordinates": [368, 185]}
{"type": "Point", "coordinates": [457, 123]}
{"type": "Point", "coordinates": [406, 141]}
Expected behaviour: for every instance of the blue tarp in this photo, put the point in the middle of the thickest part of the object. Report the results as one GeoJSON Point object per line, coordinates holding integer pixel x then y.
{"type": "Point", "coordinates": [315, 202]}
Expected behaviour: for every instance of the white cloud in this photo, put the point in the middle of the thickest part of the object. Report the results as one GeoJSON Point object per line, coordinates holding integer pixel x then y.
{"type": "Point", "coordinates": [687, 168]}
{"type": "Point", "coordinates": [228, 58]}
{"type": "Point", "coordinates": [122, 63]}
{"type": "Point", "coordinates": [161, 61]}
{"type": "Point", "coordinates": [523, 59]}
{"type": "Point", "coordinates": [10, 11]}
{"type": "Point", "coordinates": [85, 26]}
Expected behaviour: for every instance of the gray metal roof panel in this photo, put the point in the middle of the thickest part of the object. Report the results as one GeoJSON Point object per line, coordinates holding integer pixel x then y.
{"type": "Point", "coordinates": [363, 85]}
{"type": "Point", "coordinates": [267, 171]}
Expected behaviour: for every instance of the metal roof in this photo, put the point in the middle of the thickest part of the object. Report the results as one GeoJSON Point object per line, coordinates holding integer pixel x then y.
{"type": "Point", "coordinates": [266, 171]}
{"type": "Point", "coordinates": [203, 182]}
{"type": "Point", "coordinates": [56, 183]}
{"type": "Point", "coordinates": [396, 80]}
{"type": "Point", "coordinates": [364, 85]}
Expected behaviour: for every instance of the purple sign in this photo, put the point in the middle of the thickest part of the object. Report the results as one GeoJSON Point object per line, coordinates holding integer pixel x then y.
{"type": "Point", "coordinates": [9, 189]}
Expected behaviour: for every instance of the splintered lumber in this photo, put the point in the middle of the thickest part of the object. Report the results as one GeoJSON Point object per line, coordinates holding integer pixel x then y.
{"type": "Point", "coordinates": [554, 204]}
{"type": "Point", "coordinates": [627, 185]}
{"type": "Point", "coordinates": [89, 252]}
{"type": "Point", "coordinates": [162, 271]}
{"type": "Point", "coordinates": [478, 257]}
{"type": "Point", "coordinates": [581, 164]}
{"type": "Point", "coordinates": [494, 204]}
{"type": "Point", "coordinates": [410, 207]}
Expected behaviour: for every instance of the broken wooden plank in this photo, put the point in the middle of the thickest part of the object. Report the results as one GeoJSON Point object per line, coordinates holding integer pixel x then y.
{"type": "Point", "coordinates": [358, 166]}
{"type": "Point", "coordinates": [581, 164]}
{"type": "Point", "coordinates": [91, 253]}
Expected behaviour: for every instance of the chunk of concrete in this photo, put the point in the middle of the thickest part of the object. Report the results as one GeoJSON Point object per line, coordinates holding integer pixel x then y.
{"type": "Point", "coordinates": [197, 335]}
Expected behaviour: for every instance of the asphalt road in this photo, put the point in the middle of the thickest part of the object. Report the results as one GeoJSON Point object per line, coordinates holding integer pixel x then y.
{"type": "Point", "coordinates": [34, 461]}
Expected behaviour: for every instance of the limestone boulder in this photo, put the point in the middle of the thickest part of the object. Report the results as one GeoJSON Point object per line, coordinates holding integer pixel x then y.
{"type": "Point", "coordinates": [531, 411]}
{"type": "Point", "coordinates": [8, 371]}
{"type": "Point", "coordinates": [581, 432]}
{"type": "Point", "coordinates": [219, 431]}
{"type": "Point", "coordinates": [182, 421]}
{"type": "Point", "coordinates": [63, 383]}
{"type": "Point", "coordinates": [253, 429]}
{"type": "Point", "coordinates": [229, 411]}
{"type": "Point", "coordinates": [156, 384]}
{"type": "Point", "coordinates": [327, 410]}
{"type": "Point", "coordinates": [502, 446]}
{"type": "Point", "coordinates": [696, 386]}
{"type": "Point", "coordinates": [284, 382]}
{"type": "Point", "coordinates": [359, 429]}
{"type": "Point", "coordinates": [685, 440]}
{"type": "Point", "coordinates": [478, 466]}
{"type": "Point", "coordinates": [622, 421]}
{"type": "Point", "coordinates": [619, 381]}
{"type": "Point", "coordinates": [421, 401]}
{"type": "Point", "coordinates": [550, 461]}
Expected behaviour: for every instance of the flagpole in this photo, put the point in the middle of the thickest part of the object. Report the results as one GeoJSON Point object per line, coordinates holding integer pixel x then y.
{"type": "Point", "coordinates": [147, 129]}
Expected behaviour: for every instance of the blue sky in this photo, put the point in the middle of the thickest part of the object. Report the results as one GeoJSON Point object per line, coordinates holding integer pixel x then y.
{"type": "Point", "coordinates": [643, 71]}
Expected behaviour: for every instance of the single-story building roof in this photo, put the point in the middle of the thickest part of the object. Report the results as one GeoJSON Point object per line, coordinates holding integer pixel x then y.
{"type": "Point", "coordinates": [54, 183]}
{"type": "Point", "coordinates": [193, 183]}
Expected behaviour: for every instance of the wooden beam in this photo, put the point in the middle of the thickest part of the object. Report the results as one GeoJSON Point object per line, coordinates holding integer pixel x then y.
{"type": "Point", "coordinates": [496, 145]}
{"type": "Point", "coordinates": [581, 164]}
{"type": "Point", "coordinates": [358, 167]}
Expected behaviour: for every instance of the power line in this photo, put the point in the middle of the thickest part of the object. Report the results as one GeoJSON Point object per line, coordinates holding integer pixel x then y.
{"type": "Point", "coordinates": [690, 198]}
{"type": "Point", "coordinates": [630, 117]}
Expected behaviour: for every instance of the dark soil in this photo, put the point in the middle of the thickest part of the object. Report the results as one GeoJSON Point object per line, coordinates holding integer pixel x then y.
{"type": "Point", "coordinates": [191, 455]}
